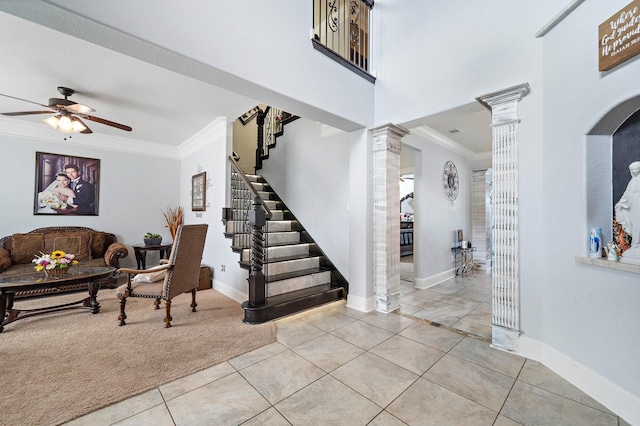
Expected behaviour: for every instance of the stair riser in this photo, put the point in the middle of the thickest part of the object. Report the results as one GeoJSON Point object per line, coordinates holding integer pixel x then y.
{"type": "Point", "coordinates": [282, 238]}
{"type": "Point", "coordinates": [280, 251]}
{"type": "Point", "coordinates": [298, 283]}
{"type": "Point", "coordinates": [237, 226]}
{"type": "Point", "coordinates": [291, 266]}
{"type": "Point", "coordinates": [260, 186]}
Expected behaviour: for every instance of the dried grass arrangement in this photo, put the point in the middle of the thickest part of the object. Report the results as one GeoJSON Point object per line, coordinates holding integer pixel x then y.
{"type": "Point", "coordinates": [174, 218]}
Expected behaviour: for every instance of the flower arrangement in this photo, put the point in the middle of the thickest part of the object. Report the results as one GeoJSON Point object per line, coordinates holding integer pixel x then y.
{"type": "Point", "coordinates": [56, 260]}
{"type": "Point", "coordinates": [152, 235]}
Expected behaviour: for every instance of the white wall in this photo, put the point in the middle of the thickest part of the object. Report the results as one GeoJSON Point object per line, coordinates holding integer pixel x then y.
{"type": "Point", "coordinates": [309, 170]}
{"type": "Point", "coordinates": [436, 218]}
{"type": "Point", "coordinates": [590, 314]}
{"type": "Point", "coordinates": [434, 56]}
{"type": "Point", "coordinates": [258, 49]}
{"type": "Point", "coordinates": [208, 151]}
{"type": "Point", "coordinates": [134, 189]}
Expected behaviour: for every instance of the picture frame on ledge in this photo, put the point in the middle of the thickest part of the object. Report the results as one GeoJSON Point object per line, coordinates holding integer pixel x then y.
{"type": "Point", "coordinates": [198, 192]}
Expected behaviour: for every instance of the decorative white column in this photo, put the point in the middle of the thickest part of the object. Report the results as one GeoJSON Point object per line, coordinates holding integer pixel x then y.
{"type": "Point", "coordinates": [505, 121]}
{"type": "Point", "coordinates": [386, 216]}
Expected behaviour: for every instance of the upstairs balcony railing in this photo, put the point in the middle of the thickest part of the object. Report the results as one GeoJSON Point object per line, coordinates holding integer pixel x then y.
{"type": "Point", "coordinates": [341, 30]}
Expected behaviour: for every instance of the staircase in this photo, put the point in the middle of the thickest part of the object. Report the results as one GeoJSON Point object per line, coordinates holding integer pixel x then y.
{"type": "Point", "coordinates": [297, 274]}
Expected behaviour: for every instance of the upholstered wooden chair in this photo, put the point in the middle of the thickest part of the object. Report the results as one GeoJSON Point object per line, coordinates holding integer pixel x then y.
{"type": "Point", "coordinates": [179, 274]}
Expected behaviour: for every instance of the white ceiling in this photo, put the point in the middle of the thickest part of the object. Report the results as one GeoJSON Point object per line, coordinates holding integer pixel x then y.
{"type": "Point", "coordinates": [161, 106]}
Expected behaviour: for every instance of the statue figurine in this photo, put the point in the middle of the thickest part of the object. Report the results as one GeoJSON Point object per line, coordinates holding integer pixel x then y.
{"type": "Point", "coordinates": [627, 212]}
{"type": "Point", "coordinates": [612, 251]}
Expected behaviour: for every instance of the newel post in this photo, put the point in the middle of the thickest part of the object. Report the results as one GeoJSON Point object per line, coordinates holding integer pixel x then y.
{"type": "Point", "coordinates": [257, 288]}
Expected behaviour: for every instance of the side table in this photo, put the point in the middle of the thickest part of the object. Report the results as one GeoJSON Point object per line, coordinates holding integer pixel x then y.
{"type": "Point", "coordinates": [141, 253]}
{"type": "Point", "coordinates": [463, 260]}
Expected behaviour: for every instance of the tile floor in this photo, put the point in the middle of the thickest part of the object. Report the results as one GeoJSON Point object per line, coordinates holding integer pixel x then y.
{"type": "Point", "coordinates": [461, 303]}
{"type": "Point", "coordinates": [334, 365]}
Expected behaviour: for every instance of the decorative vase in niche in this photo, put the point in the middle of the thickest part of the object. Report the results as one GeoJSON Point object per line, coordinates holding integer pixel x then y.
{"type": "Point", "coordinates": [152, 241]}
{"type": "Point", "coordinates": [595, 242]}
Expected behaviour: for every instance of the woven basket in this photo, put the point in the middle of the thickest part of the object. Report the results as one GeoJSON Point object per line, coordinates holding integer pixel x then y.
{"type": "Point", "coordinates": [55, 272]}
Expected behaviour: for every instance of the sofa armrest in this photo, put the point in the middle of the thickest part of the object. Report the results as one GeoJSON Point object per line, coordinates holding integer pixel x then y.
{"type": "Point", "coordinates": [114, 253]}
{"type": "Point", "coordinates": [5, 260]}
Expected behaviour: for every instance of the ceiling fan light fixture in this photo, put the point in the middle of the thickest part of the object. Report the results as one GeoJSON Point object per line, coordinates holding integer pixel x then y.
{"type": "Point", "coordinates": [53, 121]}
{"type": "Point", "coordinates": [77, 125]}
{"type": "Point", "coordinates": [65, 124]}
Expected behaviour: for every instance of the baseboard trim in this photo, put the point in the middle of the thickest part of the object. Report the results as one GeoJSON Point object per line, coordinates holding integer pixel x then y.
{"type": "Point", "coordinates": [424, 283]}
{"type": "Point", "coordinates": [617, 399]}
{"type": "Point", "coordinates": [230, 292]}
{"type": "Point", "coordinates": [361, 304]}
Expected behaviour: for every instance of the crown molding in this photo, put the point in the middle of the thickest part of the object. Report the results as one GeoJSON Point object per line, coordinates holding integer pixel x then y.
{"type": "Point", "coordinates": [428, 133]}
{"type": "Point", "coordinates": [37, 131]}
{"type": "Point", "coordinates": [215, 130]}
{"type": "Point", "coordinates": [559, 18]}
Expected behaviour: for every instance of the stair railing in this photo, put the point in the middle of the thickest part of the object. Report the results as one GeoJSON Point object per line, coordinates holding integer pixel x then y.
{"type": "Point", "coordinates": [248, 233]}
{"type": "Point", "coordinates": [270, 124]}
{"type": "Point", "coordinates": [242, 195]}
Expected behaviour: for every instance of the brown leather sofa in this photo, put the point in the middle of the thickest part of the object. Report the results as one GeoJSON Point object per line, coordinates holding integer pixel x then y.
{"type": "Point", "coordinates": [91, 248]}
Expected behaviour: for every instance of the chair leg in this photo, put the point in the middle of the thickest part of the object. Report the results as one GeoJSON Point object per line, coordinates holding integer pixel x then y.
{"type": "Point", "coordinates": [122, 316]}
{"type": "Point", "coordinates": [193, 300]}
{"type": "Point", "coordinates": [167, 319]}
{"type": "Point", "coordinates": [157, 303]}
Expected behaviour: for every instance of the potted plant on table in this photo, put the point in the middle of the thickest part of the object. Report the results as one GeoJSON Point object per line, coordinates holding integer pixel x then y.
{"type": "Point", "coordinates": [151, 239]}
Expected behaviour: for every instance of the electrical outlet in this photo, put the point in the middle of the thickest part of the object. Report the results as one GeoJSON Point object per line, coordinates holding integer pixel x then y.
{"type": "Point", "coordinates": [223, 267]}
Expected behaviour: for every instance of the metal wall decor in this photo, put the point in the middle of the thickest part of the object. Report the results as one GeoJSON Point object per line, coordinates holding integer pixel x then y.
{"type": "Point", "coordinates": [450, 180]}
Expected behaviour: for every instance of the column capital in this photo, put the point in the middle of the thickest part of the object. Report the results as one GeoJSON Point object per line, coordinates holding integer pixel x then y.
{"type": "Point", "coordinates": [388, 137]}
{"type": "Point", "coordinates": [503, 104]}
{"type": "Point", "coordinates": [390, 129]}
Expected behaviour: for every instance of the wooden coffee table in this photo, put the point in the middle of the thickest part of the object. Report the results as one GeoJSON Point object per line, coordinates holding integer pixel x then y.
{"type": "Point", "coordinates": [94, 276]}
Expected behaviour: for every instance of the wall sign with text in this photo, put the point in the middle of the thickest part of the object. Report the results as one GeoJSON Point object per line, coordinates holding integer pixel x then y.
{"type": "Point", "coordinates": [620, 36]}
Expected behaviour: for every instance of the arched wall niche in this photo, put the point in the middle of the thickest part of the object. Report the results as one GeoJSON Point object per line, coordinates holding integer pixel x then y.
{"type": "Point", "coordinates": [600, 167]}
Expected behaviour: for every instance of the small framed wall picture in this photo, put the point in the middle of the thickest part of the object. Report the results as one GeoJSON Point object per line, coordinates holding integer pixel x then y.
{"type": "Point", "coordinates": [198, 192]}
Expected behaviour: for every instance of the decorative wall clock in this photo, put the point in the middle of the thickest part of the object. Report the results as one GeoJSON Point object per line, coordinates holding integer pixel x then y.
{"type": "Point", "coordinates": [450, 180]}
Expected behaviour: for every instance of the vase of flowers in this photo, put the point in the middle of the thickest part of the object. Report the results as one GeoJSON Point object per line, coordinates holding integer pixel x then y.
{"type": "Point", "coordinates": [55, 264]}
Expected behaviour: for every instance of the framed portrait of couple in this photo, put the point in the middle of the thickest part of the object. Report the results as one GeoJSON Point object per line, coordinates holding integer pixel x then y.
{"type": "Point", "coordinates": [66, 185]}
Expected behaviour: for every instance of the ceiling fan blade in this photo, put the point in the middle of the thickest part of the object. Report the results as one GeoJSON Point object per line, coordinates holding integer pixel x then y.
{"type": "Point", "coordinates": [79, 108]}
{"type": "Point", "coordinates": [74, 107]}
{"type": "Point", "coordinates": [87, 130]}
{"type": "Point", "coordinates": [24, 100]}
{"type": "Point", "coordinates": [106, 122]}
{"type": "Point", "coordinates": [13, 114]}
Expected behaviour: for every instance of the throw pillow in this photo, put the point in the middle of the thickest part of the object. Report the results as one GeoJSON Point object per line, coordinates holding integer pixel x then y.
{"type": "Point", "coordinates": [5, 259]}
{"type": "Point", "coordinates": [74, 242]}
{"type": "Point", "coordinates": [26, 247]}
{"type": "Point", "coordinates": [97, 244]}
{"type": "Point", "coordinates": [151, 277]}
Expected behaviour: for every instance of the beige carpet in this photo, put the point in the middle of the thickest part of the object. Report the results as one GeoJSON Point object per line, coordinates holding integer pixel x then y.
{"type": "Point", "coordinates": [60, 366]}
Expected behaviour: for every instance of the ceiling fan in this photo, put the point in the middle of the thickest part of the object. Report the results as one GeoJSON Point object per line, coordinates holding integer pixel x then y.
{"type": "Point", "coordinates": [68, 114]}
